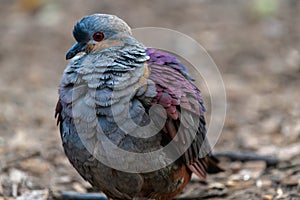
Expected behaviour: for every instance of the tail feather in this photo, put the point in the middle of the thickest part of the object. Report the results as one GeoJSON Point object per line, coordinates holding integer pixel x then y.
{"type": "Point", "coordinates": [213, 166]}
{"type": "Point", "coordinates": [207, 165]}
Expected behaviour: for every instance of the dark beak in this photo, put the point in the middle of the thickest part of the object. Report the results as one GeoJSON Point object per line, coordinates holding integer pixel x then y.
{"type": "Point", "coordinates": [75, 49]}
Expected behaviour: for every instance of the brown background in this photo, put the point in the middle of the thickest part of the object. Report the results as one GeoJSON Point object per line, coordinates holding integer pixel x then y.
{"type": "Point", "coordinates": [254, 43]}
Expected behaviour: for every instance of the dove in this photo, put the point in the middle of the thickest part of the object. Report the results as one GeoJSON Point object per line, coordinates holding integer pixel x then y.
{"type": "Point", "coordinates": [120, 101]}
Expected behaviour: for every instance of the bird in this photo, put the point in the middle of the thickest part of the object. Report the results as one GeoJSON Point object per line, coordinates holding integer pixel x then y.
{"type": "Point", "coordinates": [112, 88]}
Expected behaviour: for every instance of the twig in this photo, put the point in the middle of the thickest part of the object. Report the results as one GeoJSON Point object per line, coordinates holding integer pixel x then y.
{"type": "Point", "coordinates": [248, 156]}
{"type": "Point", "coordinates": [20, 158]}
{"type": "Point", "coordinates": [66, 195]}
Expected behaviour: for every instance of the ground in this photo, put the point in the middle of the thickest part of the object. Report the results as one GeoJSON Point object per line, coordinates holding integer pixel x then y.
{"type": "Point", "coordinates": [255, 45]}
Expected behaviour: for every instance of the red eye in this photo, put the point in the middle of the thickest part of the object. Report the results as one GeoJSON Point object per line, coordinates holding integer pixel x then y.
{"type": "Point", "coordinates": [98, 36]}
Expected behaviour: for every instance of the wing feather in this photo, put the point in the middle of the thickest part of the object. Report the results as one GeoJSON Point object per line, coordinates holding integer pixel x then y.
{"type": "Point", "coordinates": [185, 111]}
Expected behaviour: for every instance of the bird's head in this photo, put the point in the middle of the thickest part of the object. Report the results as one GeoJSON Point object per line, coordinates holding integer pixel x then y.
{"type": "Point", "coordinates": [96, 32]}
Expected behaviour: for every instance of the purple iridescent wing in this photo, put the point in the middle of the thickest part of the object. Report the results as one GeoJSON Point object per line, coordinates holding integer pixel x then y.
{"type": "Point", "coordinates": [182, 101]}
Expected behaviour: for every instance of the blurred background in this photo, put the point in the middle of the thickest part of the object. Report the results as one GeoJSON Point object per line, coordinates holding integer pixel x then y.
{"type": "Point", "coordinates": [255, 44]}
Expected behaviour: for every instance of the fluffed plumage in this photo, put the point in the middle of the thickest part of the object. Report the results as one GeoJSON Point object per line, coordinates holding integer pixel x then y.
{"type": "Point", "coordinates": [117, 81]}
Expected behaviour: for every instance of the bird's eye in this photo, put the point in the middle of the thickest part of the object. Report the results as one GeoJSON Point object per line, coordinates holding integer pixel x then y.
{"type": "Point", "coordinates": [98, 36]}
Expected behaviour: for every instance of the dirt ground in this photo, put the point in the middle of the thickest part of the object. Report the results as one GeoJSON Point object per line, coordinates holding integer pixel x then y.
{"type": "Point", "coordinates": [255, 44]}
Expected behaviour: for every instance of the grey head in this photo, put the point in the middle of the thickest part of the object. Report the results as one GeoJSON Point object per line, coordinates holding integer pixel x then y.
{"type": "Point", "coordinates": [96, 32]}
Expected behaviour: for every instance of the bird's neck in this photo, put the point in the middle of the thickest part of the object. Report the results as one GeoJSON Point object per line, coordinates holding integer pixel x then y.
{"type": "Point", "coordinates": [112, 73]}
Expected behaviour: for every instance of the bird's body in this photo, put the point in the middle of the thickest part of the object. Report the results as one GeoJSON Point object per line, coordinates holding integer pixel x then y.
{"type": "Point", "coordinates": [109, 92]}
